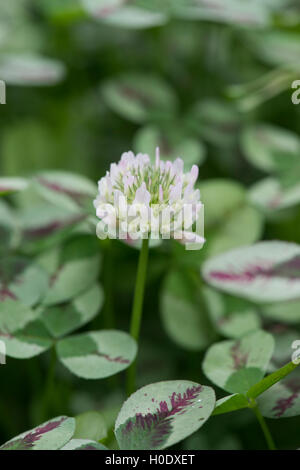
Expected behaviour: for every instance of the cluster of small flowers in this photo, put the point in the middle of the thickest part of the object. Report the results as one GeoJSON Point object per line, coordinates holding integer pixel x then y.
{"type": "Point", "coordinates": [140, 200]}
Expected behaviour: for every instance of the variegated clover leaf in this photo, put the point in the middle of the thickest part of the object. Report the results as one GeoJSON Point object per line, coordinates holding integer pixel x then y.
{"type": "Point", "coordinates": [268, 271]}
{"type": "Point", "coordinates": [237, 365]}
{"type": "Point", "coordinates": [97, 354]}
{"type": "Point", "coordinates": [162, 414]}
{"type": "Point", "coordinates": [51, 435]}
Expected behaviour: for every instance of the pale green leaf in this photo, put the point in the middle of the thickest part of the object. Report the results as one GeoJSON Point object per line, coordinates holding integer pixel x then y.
{"type": "Point", "coordinates": [97, 354]}
{"type": "Point", "coordinates": [237, 365]}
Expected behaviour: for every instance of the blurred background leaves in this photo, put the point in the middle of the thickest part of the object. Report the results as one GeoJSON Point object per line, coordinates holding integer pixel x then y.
{"type": "Point", "coordinates": [209, 81]}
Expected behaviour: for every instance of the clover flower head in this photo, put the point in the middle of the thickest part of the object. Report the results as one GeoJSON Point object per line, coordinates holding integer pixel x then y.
{"type": "Point", "coordinates": [138, 199]}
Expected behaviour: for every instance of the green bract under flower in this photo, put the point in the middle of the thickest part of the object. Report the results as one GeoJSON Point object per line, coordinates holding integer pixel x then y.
{"type": "Point", "coordinates": [140, 200]}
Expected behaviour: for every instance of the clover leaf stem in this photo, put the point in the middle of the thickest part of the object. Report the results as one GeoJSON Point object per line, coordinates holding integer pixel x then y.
{"type": "Point", "coordinates": [263, 425]}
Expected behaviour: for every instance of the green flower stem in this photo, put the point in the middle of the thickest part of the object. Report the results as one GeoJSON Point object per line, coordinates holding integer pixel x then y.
{"type": "Point", "coordinates": [108, 285]}
{"type": "Point", "coordinates": [49, 388]}
{"type": "Point", "coordinates": [263, 425]}
{"type": "Point", "coordinates": [136, 315]}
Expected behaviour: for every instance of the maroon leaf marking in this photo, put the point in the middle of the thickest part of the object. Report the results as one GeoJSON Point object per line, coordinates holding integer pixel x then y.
{"type": "Point", "coordinates": [119, 359]}
{"type": "Point", "coordinates": [9, 273]}
{"type": "Point", "coordinates": [28, 441]}
{"type": "Point", "coordinates": [131, 93]}
{"type": "Point", "coordinates": [108, 10]}
{"type": "Point", "coordinates": [4, 189]}
{"type": "Point", "coordinates": [6, 293]}
{"type": "Point", "coordinates": [77, 196]}
{"type": "Point", "coordinates": [275, 201]}
{"type": "Point", "coordinates": [104, 12]}
{"type": "Point", "coordinates": [283, 404]}
{"type": "Point", "coordinates": [5, 334]}
{"type": "Point", "coordinates": [289, 269]}
{"type": "Point", "coordinates": [52, 227]}
{"type": "Point", "coordinates": [55, 275]}
{"type": "Point", "coordinates": [239, 358]}
{"type": "Point", "coordinates": [32, 437]}
{"type": "Point", "coordinates": [159, 423]}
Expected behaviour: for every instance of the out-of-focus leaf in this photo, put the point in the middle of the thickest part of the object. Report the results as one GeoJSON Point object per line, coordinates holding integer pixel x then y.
{"type": "Point", "coordinates": [67, 190]}
{"type": "Point", "coordinates": [51, 435]}
{"type": "Point", "coordinates": [269, 195]}
{"type": "Point", "coordinates": [162, 414]}
{"type": "Point", "coordinates": [229, 219]}
{"type": "Point", "coordinates": [63, 319]}
{"type": "Point", "coordinates": [276, 47]}
{"type": "Point", "coordinates": [18, 31]}
{"type": "Point", "coordinates": [172, 143]}
{"type": "Point", "coordinates": [232, 318]}
{"type": "Point", "coordinates": [237, 365]}
{"type": "Point", "coordinates": [10, 185]}
{"type": "Point", "coordinates": [14, 315]}
{"type": "Point", "coordinates": [215, 121]}
{"type": "Point", "coordinates": [77, 269]}
{"type": "Point", "coordinates": [45, 225]}
{"type": "Point", "coordinates": [26, 343]}
{"type": "Point", "coordinates": [245, 14]}
{"type": "Point", "coordinates": [97, 354]}
{"type": "Point", "coordinates": [183, 318]}
{"type": "Point", "coordinates": [286, 312]}
{"type": "Point", "coordinates": [21, 280]}
{"type": "Point", "coordinates": [9, 229]}
{"type": "Point", "coordinates": [285, 338]}
{"type": "Point", "coordinates": [118, 13]}
{"type": "Point", "coordinates": [30, 70]}
{"type": "Point", "coordinates": [283, 399]}
{"type": "Point", "coordinates": [90, 425]}
{"type": "Point", "coordinates": [265, 272]}
{"type": "Point", "coordinates": [265, 146]}
{"type": "Point", "coordinates": [139, 97]}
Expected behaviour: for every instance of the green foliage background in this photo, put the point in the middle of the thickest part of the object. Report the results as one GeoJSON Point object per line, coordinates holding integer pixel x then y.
{"type": "Point", "coordinates": [217, 76]}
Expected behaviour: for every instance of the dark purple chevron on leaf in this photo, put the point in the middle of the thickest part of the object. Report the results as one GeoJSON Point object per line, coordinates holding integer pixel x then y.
{"type": "Point", "coordinates": [151, 430]}
{"type": "Point", "coordinates": [27, 442]}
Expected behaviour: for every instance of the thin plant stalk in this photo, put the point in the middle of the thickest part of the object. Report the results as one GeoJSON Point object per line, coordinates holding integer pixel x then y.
{"type": "Point", "coordinates": [109, 318]}
{"type": "Point", "coordinates": [263, 425]}
{"type": "Point", "coordinates": [49, 388]}
{"type": "Point", "coordinates": [137, 309]}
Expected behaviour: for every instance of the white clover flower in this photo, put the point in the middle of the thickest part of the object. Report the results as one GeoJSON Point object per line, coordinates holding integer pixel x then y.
{"type": "Point", "coordinates": [140, 200]}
